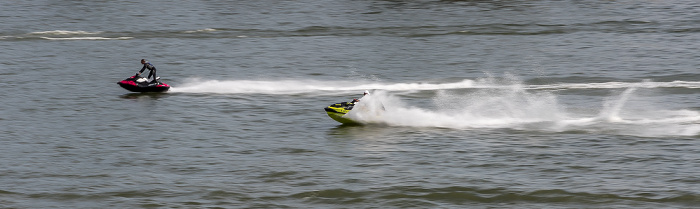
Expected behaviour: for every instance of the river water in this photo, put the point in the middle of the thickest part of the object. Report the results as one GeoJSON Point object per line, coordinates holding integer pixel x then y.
{"type": "Point", "coordinates": [486, 104]}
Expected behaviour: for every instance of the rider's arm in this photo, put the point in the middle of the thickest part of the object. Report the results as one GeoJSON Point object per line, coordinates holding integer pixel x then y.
{"type": "Point", "coordinates": [142, 69]}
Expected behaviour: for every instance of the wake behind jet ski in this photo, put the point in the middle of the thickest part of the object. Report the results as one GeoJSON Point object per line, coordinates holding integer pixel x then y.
{"type": "Point", "coordinates": [137, 83]}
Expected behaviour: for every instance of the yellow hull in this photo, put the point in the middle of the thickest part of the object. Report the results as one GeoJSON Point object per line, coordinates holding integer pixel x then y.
{"type": "Point", "coordinates": [340, 118]}
{"type": "Point", "coordinates": [338, 111]}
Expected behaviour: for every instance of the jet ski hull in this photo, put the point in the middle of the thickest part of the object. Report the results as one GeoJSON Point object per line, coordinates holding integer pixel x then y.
{"type": "Point", "coordinates": [133, 85]}
{"type": "Point", "coordinates": [341, 119]}
{"type": "Point", "coordinates": [338, 112]}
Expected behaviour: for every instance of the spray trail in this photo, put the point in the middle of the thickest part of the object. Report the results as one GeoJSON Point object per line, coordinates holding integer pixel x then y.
{"type": "Point", "coordinates": [522, 110]}
{"type": "Point", "coordinates": [484, 109]}
{"type": "Point", "coordinates": [306, 86]}
{"type": "Point", "coordinates": [344, 87]}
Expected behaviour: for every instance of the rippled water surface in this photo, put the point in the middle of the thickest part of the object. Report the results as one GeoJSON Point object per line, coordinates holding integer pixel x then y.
{"type": "Point", "coordinates": [474, 104]}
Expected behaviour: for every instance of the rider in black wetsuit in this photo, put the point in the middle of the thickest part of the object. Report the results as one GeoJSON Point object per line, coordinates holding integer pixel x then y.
{"type": "Point", "coordinates": [357, 100]}
{"type": "Point", "coordinates": [150, 67]}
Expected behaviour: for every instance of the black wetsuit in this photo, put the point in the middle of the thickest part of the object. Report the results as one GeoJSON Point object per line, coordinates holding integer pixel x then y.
{"type": "Point", "coordinates": [151, 68]}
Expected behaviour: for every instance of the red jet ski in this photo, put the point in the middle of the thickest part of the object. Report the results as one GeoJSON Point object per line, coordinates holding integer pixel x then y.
{"type": "Point", "coordinates": [140, 84]}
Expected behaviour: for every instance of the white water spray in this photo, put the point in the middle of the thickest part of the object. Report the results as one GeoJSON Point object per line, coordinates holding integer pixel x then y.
{"type": "Point", "coordinates": [611, 109]}
{"type": "Point", "coordinates": [481, 109]}
{"type": "Point", "coordinates": [517, 108]}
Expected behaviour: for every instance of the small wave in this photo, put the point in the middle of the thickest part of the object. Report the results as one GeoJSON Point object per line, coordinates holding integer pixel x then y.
{"type": "Point", "coordinates": [64, 32]}
{"type": "Point", "coordinates": [86, 38]}
{"type": "Point", "coordinates": [201, 30]}
{"type": "Point", "coordinates": [396, 196]}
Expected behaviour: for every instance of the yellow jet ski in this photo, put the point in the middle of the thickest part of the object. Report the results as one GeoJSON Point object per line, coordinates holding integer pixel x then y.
{"type": "Point", "coordinates": [338, 111]}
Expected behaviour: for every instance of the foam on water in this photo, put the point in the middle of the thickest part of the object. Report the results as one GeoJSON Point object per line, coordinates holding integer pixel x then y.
{"type": "Point", "coordinates": [201, 30]}
{"type": "Point", "coordinates": [613, 85]}
{"type": "Point", "coordinates": [62, 35]}
{"type": "Point", "coordinates": [195, 85]}
{"type": "Point", "coordinates": [87, 38]}
{"type": "Point", "coordinates": [64, 32]}
{"type": "Point", "coordinates": [306, 86]}
{"type": "Point", "coordinates": [262, 87]}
